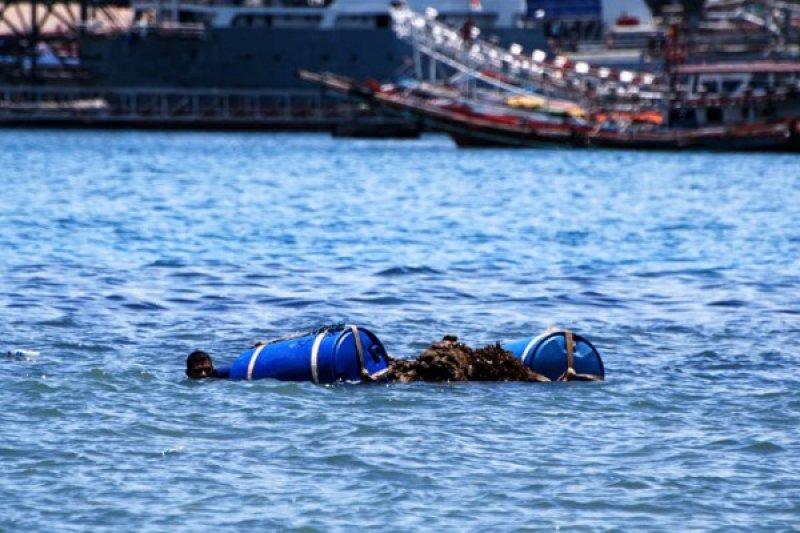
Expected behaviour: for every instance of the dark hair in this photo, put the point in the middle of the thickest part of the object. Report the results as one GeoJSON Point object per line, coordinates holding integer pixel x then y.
{"type": "Point", "coordinates": [194, 359]}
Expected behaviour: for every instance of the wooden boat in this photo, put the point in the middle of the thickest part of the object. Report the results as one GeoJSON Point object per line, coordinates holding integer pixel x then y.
{"type": "Point", "coordinates": [473, 124]}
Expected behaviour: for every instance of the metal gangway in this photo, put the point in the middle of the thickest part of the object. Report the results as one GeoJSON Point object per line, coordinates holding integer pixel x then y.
{"type": "Point", "coordinates": [514, 70]}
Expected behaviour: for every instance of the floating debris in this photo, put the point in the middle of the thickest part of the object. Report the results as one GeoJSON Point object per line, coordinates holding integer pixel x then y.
{"type": "Point", "coordinates": [22, 354]}
{"type": "Point", "coordinates": [451, 361]}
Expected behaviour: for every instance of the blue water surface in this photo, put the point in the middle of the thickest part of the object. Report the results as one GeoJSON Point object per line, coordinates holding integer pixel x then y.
{"type": "Point", "coordinates": [124, 251]}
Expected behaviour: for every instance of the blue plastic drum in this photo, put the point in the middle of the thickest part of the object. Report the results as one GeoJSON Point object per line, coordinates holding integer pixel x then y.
{"type": "Point", "coordinates": [547, 355]}
{"type": "Point", "coordinates": [324, 357]}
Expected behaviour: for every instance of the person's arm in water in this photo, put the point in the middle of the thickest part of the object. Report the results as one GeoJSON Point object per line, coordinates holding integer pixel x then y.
{"type": "Point", "coordinates": [222, 372]}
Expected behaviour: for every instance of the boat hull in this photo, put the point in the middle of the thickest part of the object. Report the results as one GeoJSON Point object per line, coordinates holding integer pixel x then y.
{"type": "Point", "coordinates": [473, 130]}
{"type": "Point", "coordinates": [255, 58]}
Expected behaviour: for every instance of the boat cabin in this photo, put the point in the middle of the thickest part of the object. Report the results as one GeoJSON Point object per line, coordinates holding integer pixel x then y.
{"type": "Point", "coordinates": [727, 93]}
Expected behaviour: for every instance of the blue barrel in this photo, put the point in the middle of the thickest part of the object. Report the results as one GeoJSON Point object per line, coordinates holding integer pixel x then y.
{"type": "Point", "coordinates": [323, 357]}
{"type": "Point", "coordinates": [547, 355]}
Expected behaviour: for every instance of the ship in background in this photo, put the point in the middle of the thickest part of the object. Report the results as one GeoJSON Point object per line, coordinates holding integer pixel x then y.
{"type": "Point", "coordinates": [506, 97]}
{"type": "Point", "coordinates": [233, 63]}
{"type": "Point", "coordinates": [260, 44]}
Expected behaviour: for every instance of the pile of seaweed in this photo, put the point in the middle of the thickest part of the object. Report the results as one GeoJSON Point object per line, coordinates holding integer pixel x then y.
{"type": "Point", "coordinates": [450, 360]}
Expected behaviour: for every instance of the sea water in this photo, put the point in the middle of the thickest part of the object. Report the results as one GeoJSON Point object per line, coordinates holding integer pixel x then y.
{"type": "Point", "coordinates": [121, 252]}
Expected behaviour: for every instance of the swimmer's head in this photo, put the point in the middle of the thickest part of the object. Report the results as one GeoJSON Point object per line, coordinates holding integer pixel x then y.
{"type": "Point", "coordinates": [199, 366]}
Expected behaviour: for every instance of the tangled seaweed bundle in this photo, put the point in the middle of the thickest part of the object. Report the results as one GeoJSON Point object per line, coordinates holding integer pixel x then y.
{"type": "Point", "coordinates": [450, 360]}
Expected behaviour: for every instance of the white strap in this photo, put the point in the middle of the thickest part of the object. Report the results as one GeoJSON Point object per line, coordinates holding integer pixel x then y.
{"type": "Point", "coordinates": [252, 363]}
{"type": "Point", "coordinates": [528, 349]}
{"type": "Point", "coordinates": [315, 356]}
{"type": "Point", "coordinates": [359, 349]}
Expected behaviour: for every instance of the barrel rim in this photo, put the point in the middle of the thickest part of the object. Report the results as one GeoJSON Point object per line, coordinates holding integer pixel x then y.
{"type": "Point", "coordinates": [372, 337]}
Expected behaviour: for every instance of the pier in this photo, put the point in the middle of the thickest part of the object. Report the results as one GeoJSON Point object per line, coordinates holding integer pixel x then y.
{"type": "Point", "coordinates": [181, 108]}
{"type": "Point", "coordinates": [42, 83]}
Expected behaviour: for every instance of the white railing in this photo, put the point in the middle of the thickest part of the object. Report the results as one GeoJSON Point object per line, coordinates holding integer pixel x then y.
{"type": "Point", "coordinates": [515, 70]}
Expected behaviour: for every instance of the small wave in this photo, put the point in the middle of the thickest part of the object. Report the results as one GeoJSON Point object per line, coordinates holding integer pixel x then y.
{"type": "Point", "coordinates": [296, 303]}
{"type": "Point", "coordinates": [35, 267]}
{"type": "Point", "coordinates": [762, 448]}
{"type": "Point", "coordinates": [192, 275]}
{"type": "Point", "coordinates": [573, 238]}
{"type": "Point", "coordinates": [729, 303]}
{"type": "Point", "coordinates": [166, 263]}
{"type": "Point", "coordinates": [381, 300]}
{"type": "Point", "coordinates": [216, 297]}
{"type": "Point", "coordinates": [692, 272]}
{"type": "Point", "coordinates": [260, 276]}
{"type": "Point", "coordinates": [144, 306]}
{"type": "Point", "coordinates": [22, 305]}
{"type": "Point", "coordinates": [407, 271]}
{"type": "Point", "coordinates": [214, 307]}
{"type": "Point", "coordinates": [63, 322]}
{"type": "Point", "coordinates": [173, 451]}
{"type": "Point", "coordinates": [83, 347]}
{"type": "Point", "coordinates": [44, 280]}
{"type": "Point", "coordinates": [182, 301]}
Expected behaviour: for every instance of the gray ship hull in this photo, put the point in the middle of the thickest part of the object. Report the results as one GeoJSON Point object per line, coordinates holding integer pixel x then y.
{"type": "Point", "coordinates": [255, 58]}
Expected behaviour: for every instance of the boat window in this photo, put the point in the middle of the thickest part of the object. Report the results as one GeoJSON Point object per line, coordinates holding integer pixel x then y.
{"type": "Point", "coordinates": [745, 112]}
{"type": "Point", "coordinates": [683, 82]}
{"type": "Point", "coordinates": [709, 86]}
{"type": "Point", "coordinates": [524, 21]}
{"type": "Point", "coordinates": [383, 21]}
{"type": "Point", "coordinates": [188, 17]}
{"type": "Point", "coordinates": [296, 21]}
{"type": "Point", "coordinates": [759, 81]}
{"type": "Point", "coordinates": [714, 115]}
{"type": "Point", "coordinates": [356, 21]}
{"type": "Point", "coordinates": [731, 86]}
{"type": "Point", "coordinates": [683, 118]}
{"type": "Point", "coordinates": [252, 21]}
{"type": "Point", "coordinates": [306, 3]}
{"type": "Point", "coordinates": [782, 79]}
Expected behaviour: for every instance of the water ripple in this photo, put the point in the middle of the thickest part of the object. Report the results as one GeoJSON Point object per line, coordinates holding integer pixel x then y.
{"type": "Point", "coordinates": [136, 248]}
